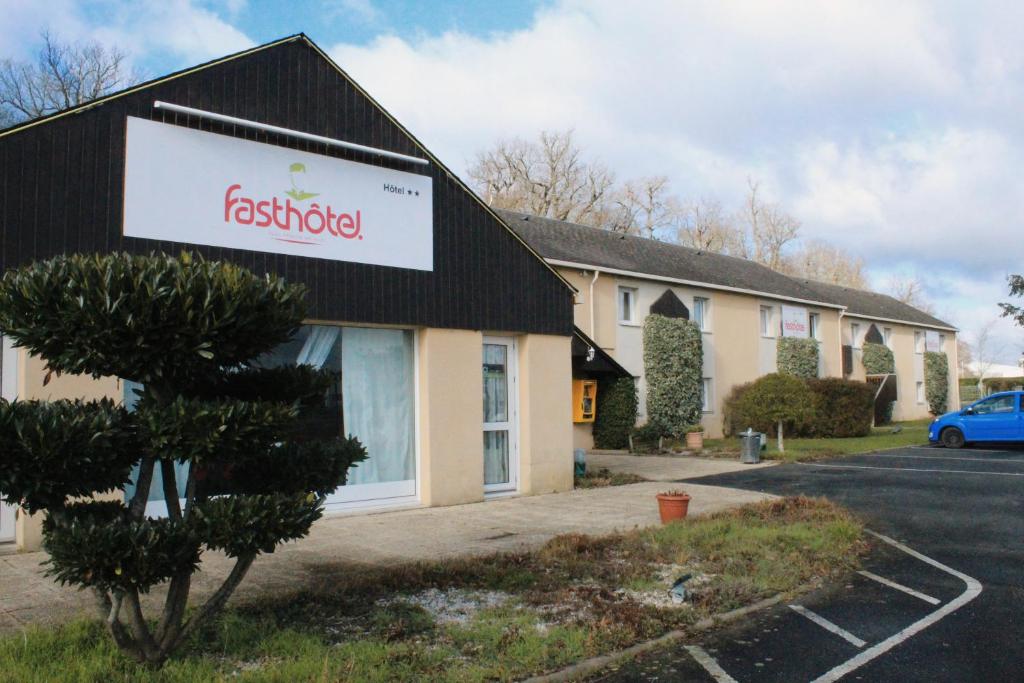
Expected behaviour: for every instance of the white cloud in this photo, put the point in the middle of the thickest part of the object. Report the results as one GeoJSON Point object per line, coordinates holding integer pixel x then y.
{"type": "Point", "coordinates": [362, 10]}
{"type": "Point", "coordinates": [891, 128]}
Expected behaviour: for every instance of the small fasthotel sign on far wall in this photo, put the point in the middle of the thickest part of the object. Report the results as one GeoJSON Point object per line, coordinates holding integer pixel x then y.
{"type": "Point", "coordinates": [185, 185]}
{"type": "Point", "coordinates": [794, 322]}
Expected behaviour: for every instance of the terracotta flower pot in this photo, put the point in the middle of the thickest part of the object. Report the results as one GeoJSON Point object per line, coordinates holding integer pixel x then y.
{"type": "Point", "coordinates": [672, 506]}
{"type": "Point", "coordinates": [695, 440]}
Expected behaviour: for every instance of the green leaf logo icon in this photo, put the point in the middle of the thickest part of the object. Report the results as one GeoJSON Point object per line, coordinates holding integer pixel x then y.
{"type": "Point", "coordinates": [297, 193]}
{"type": "Point", "coordinates": [297, 168]}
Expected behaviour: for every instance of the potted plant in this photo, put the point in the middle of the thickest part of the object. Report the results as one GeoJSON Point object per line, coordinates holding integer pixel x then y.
{"type": "Point", "coordinates": [694, 437]}
{"type": "Point", "coordinates": [673, 505]}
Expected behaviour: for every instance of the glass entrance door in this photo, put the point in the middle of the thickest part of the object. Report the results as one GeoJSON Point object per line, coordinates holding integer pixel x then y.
{"type": "Point", "coordinates": [501, 453]}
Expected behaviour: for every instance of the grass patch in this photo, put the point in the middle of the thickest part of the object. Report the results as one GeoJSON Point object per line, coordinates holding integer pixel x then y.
{"type": "Point", "coordinates": [575, 597]}
{"type": "Point", "coordinates": [602, 477]}
{"type": "Point", "coordinates": [912, 433]}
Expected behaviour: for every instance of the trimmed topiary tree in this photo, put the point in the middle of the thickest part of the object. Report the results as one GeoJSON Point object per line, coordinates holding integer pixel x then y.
{"type": "Point", "coordinates": [842, 407]}
{"type": "Point", "coordinates": [878, 359]}
{"type": "Point", "coordinates": [186, 329]}
{"type": "Point", "coordinates": [673, 368]}
{"type": "Point", "coordinates": [773, 404]}
{"type": "Point", "coordinates": [616, 412]}
{"type": "Point", "coordinates": [936, 381]}
{"type": "Point", "coordinates": [797, 356]}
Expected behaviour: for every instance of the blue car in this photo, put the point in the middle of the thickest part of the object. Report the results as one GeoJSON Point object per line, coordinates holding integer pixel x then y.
{"type": "Point", "coordinates": [994, 418]}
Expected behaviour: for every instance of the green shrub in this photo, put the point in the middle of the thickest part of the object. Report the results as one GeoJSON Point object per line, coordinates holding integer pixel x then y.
{"type": "Point", "coordinates": [616, 412]}
{"type": "Point", "coordinates": [796, 356]}
{"type": "Point", "coordinates": [673, 367]}
{"type": "Point", "coordinates": [878, 359]}
{"type": "Point", "coordinates": [763, 404]}
{"type": "Point", "coordinates": [842, 407]}
{"type": "Point", "coordinates": [936, 381]}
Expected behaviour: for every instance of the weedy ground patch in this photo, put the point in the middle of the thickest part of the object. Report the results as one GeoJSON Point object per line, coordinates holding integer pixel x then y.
{"type": "Point", "coordinates": [500, 617]}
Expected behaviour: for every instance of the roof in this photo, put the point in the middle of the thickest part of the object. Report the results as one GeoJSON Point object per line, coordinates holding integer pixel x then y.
{"type": "Point", "coordinates": [559, 241]}
{"type": "Point", "coordinates": [42, 120]}
{"type": "Point", "coordinates": [589, 357]}
{"type": "Point", "coordinates": [565, 243]}
{"type": "Point", "coordinates": [861, 302]}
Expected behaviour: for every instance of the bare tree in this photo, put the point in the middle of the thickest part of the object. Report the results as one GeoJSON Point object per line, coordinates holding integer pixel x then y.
{"type": "Point", "coordinates": [64, 75]}
{"type": "Point", "coordinates": [910, 290]}
{"type": "Point", "coordinates": [646, 208]}
{"type": "Point", "coordinates": [817, 260]}
{"type": "Point", "coordinates": [984, 351]}
{"type": "Point", "coordinates": [705, 226]}
{"type": "Point", "coordinates": [770, 230]}
{"type": "Point", "coordinates": [547, 177]}
{"type": "Point", "coordinates": [964, 357]}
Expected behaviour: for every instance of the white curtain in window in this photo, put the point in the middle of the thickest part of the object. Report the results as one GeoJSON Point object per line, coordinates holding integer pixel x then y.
{"type": "Point", "coordinates": [318, 345]}
{"type": "Point", "coordinates": [378, 402]}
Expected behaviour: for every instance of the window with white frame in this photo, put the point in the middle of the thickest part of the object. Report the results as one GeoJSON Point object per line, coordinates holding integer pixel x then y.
{"type": "Point", "coordinates": [918, 341]}
{"type": "Point", "coordinates": [701, 308]}
{"type": "Point", "coordinates": [887, 336]}
{"type": "Point", "coordinates": [627, 305]}
{"type": "Point", "coordinates": [766, 322]}
{"type": "Point", "coordinates": [942, 343]}
{"type": "Point", "coordinates": [705, 395]}
{"type": "Point", "coordinates": [814, 325]}
{"type": "Point", "coordinates": [855, 335]}
{"type": "Point", "coordinates": [920, 392]}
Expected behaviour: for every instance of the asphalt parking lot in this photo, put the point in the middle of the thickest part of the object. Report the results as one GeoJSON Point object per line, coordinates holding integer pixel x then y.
{"type": "Point", "coordinates": [942, 593]}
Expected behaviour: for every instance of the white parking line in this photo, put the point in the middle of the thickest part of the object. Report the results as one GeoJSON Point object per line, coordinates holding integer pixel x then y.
{"type": "Point", "coordinates": [958, 450]}
{"type": "Point", "coordinates": [829, 626]}
{"type": "Point", "coordinates": [943, 457]}
{"type": "Point", "coordinates": [909, 469]}
{"type": "Point", "coordinates": [709, 664]}
{"type": "Point", "coordinates": [972, 591]}
{"type": "Point", "coordinates": [900, 587]}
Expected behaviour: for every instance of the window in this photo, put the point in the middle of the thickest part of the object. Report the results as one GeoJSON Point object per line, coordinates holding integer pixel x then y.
{"type": "Point", "coordinates": [766, 322]}
{"type": "Point", "coordinates": [996, 404]}
{"type": "Point", "coordinates": [814, 325]}
{"type": "Point", "coordinates": [855, 335]}
{"type": "Point", "coordinates": [887, 336]}
{"type": "Point", "coordinates": [700, 313]}
{"type": "Point", "coordinates": [942, 343]}
{"type": "Point", "coordinates": [920, 392]}
{"type": "Point", "coordinates": [918, 342]}
{"type": "Point", "coordinates": [627, 305]}
{"type": "Point", "coordinates": [705, 395]}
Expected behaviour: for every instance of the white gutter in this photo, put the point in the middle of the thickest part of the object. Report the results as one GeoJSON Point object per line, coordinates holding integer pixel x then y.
{"type": "Point", "coordinates": [245, 123]}
{"type": "Point", "coordinates": [690, 283]}
{"type": "Point", "coordinates": [593, 324]}
{"type": "Point", "coordinates": [898, 321]}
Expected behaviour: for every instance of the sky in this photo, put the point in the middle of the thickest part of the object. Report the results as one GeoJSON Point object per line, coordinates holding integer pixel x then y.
{"type": "Point", "coordinates": [890, 129]}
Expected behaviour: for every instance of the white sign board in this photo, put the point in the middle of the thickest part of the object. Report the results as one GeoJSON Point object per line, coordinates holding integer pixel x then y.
{"type": "Point", "coordinates": [931, 340]}
{"type": "Point", "coordinates": [794, 322]}
{"type": "Point", "coordinates": [185, 185]}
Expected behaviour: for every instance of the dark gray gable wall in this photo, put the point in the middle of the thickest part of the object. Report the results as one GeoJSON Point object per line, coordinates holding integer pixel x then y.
{"type": "Point", "coordinates": [61, 192]}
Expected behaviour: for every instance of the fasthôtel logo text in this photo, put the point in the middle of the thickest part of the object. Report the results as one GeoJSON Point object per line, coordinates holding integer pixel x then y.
{"type": "Point", "coordinates": [291, 217]}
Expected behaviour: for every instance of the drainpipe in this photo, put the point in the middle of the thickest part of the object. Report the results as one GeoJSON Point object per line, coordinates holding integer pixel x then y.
{"type": "Point", "coordinates": [593, 325]}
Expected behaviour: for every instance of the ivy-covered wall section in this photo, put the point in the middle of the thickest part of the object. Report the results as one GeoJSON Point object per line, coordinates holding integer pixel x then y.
{"type": "Point", "coordinates": [798, 357]}
{"type": "Point", "coordinates": [616, 412]}
{"type": "Point", "coordinates": [936, 381]}
{"type": "Point", "coordinates": [673, 367]}
{"type": "Point", "coordinates": [878, 359]}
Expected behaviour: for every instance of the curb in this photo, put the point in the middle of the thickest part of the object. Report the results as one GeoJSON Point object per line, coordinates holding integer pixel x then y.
{"type": "Point", "coordinates": [595, 664]}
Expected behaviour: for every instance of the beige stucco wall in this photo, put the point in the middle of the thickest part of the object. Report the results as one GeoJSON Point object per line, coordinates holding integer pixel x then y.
{"type": "Point", "coordinates": [451, 416]}
{"type": "Point", "coordinates": [583, 434]}
{"type": "Point", "coordinates": [736, 331]}
{"type": "Point", "coordinates": [545, 416]}
{"type": "Point", "coordinates": [602, 303]}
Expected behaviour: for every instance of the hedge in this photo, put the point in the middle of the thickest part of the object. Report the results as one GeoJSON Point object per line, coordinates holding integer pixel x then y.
{"type": "Point", "coordinates": [673, 367]}
{"type": "Point", "coordinates": [841, 407]}
{"type": "Point", "coordinates": [796, 356]}
{"type": "Point", "coordinates": [616, 412]}
{"type": "Point", "coordinates": [837, 408]}
{"type": "Point", "coordinates": [994, 384]}
{"type": "Point", "coordinates": [762, 403]}
{"type": "Point", "coordinates": [878, 359]}
{"type": "Point", "coordinates": [936, 381]}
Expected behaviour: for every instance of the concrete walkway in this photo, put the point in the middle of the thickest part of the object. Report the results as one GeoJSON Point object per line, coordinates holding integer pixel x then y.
{"type": "Point", "coordinates": [26, 596]}
{"type": "Point", "coordinates": [667, 468]}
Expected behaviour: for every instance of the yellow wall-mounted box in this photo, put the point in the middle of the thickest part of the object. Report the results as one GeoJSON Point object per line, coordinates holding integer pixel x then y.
{"type": "Point", "coordinates": [584, 399]}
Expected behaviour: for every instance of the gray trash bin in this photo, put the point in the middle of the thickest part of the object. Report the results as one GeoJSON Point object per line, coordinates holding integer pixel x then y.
{"type": "Point", "coordinates": [750, 447]}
